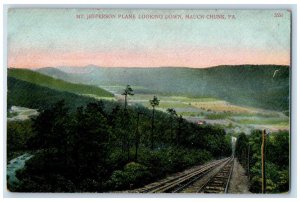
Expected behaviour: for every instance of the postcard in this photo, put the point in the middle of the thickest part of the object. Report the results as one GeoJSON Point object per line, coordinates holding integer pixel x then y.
{"type": "Point", "coordinates": [148, 101]}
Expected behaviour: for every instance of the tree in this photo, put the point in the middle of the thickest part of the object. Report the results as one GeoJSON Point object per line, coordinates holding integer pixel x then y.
{"type": "Point", "coordinates": [19, 133]}
{"type": "Point", "coordinates": [79, 151]}
{"type": "Point", "coordinates": [127, 91]}
{"type": "Point", "coordinates": [172, 111]}
{"type": "Point", "coordinates": [51, 127]}
{"type": "Point", "coordinates": [173, 115]}
{"type": "Point", "coordinates": [276, 165]}
{"type": "Point", "coordinates": [137, 134]}
{"type": "Point", "coordinates": [92, 141]}
{"type": "Point", "coordinates": [154, 102]}
{"type": "Point", "coordinates": [241, 150]}
{"type": "Point", "coordinates": [179, 129]}
{"type": "Point", "coordinates": [116, 122]}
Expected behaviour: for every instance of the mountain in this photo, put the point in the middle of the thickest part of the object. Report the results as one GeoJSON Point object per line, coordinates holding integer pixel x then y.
{"type": "Point", "coordinates": [78, 70]}
{"type": "Point", "coordinates": [264, 86]}
{"type": "Point", "coordinates": [56, 83]}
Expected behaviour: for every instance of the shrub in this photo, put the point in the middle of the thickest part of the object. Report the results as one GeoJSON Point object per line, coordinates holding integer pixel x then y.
{"type": "Point", "coordinates": [133, 175]}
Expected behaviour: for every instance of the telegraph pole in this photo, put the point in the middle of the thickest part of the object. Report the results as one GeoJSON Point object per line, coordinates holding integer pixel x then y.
{"type": "Point", "coordinates": [263, 171]}
{"type": "Point", "coordinates": [249, 160]}
{"type": "Point", "coordinates": [137, 136]}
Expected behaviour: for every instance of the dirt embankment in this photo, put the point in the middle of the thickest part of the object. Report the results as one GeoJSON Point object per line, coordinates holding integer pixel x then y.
{"type": "Point", "coordinates": [239, 183]}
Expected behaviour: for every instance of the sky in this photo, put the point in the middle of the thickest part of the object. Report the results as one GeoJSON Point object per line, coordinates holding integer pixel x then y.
{"type": "Point", "coordinates": [113, 38]}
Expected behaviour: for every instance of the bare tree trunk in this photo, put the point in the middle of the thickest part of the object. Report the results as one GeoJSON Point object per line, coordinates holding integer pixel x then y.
{"type": "Point", "coordinates": [152, 129]}
{"type": "Point", "coordinates": [171, 136]}
{"type": "Point", "coordinates": [137, 138]}
{"type": "Point", "coordinates": [125, 102]}
{"type": "Point", "coordinates": [123, 143]}
{"type": "Point", "coordinates": [263, 171]}
{"type": "Point", "coordinates": [128, 149]}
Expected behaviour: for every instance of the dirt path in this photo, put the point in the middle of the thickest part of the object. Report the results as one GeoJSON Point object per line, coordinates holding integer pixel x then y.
{"type": "Point", "coordinates": [239, 183]}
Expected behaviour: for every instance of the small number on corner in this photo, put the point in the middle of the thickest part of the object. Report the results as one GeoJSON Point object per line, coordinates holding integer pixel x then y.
{"type": "Point", "coordinates": [278, 15]}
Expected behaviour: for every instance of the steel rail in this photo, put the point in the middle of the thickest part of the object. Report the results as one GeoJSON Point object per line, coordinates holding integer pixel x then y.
{"type": "Point", "coordinates": [180, 182]}
{"type": "Point", "coordinates": [222, 180]}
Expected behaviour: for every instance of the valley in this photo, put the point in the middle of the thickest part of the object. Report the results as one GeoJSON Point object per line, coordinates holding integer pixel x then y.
{"type": "Point", "coordinates": [208, 110]}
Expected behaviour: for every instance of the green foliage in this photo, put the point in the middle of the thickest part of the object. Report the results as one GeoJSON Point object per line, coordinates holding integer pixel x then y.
{"type": "Point", "coordinates": [277, 160]}
{"type": "Point", "coordinates": [91, 141]}
{"type": "Point", "coordinates": [172, 111]}
{"type": "Point", "coordinates": [22, 93]}
{"type": "Point", "coordinates": [77, 142]}
{"type": "Point", "coordinates": [254, 84]}
{"type": "Point", "coordinates": [128, 91]}
{"type": "Point", "coordinates": [214, 116]}
{"type": "Point", "coordinates": [56, 84]}
{"type": "Point", "coordinates": [81, 149]}
{"type": "Point", "coordinates": [278, 149]}
{"type": "Point", "coordinates": [18, 136]}
{"type": "Point", "coordinates": [154, 102]}
{"type": "Point", "coordinates": [72, 146]}
{"type": "Point", "coordinates": [51, 127]}
{"type": "Point", "coordinates": [171, 159]}
{"type": "Point", "coordinates": [180, 158]}
{"type": "Point", "coordinates": [133, 175]}
{"type": "Point", "coordinates": [18, 133]}
{"type": "Point", "coordinates": [81, 143]}
{"type": "Point", "coordinates": [55, 183]}
{"type": "Point", "coordinates": [241, 150]}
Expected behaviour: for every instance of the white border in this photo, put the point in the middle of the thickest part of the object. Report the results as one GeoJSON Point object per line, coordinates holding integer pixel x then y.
{"type": "Point", "coordinates": [294, 87]}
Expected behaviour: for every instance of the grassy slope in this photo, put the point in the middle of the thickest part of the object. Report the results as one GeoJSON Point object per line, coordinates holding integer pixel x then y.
{"type": "Point", "coordinates": [25, 94]}
{"type": "Point", "coordinates": [56, 84]}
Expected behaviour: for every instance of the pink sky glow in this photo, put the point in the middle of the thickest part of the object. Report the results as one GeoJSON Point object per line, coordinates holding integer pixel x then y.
{"type": "Point", "coordinates": [182, 58]}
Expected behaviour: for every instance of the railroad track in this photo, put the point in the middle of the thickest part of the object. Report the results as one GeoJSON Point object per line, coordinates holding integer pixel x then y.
{"type": "Point", "coordinates": [184, 180]}
{"type": "Point", "coordinates": [219, 182]}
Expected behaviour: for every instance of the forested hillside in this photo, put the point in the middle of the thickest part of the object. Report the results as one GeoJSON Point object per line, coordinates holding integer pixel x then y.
{"type": "Point", "coordinates": [263, 86]}
{"type": "Point", "coordinates": [85, 145]}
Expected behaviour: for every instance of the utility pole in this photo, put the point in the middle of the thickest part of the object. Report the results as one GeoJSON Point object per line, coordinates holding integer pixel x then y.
{"type": "Point", "coordinates": [152, 129]}
{"type": "Point", "coordinates": [263, 171]}
{"type": "Point", "coordinates": [137, 135]}
{"type": "Point", "coordinates": [248, 160]}
{"type": "Point", "coordinates": [154, 102]}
